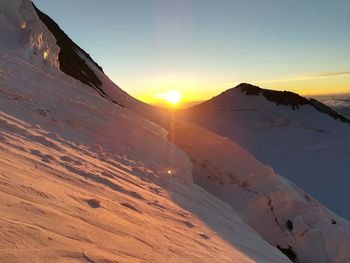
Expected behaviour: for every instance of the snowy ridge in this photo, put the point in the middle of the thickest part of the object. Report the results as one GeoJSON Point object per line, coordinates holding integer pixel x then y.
{"type": "Point", "coordinates": [301, 143]}
{"type": "Point", "coordinates": [78, 64]}
{"type": "Point", "coordinates": [89, 179]}
{"type": "Point", "coordinates": [72, 58]}
{"type": "Point", "coordinates": [73, 177]}
{"type": "Point", "coordinates": [284, 215]}
{"type": "Point", "coordinates": [85, 180]}
{"type": "Point", "coordinates": [290, 99]}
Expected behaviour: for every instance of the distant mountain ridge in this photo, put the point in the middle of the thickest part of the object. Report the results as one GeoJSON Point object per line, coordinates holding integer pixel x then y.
{"type": "Point", "coordinates": [288, 98]}
{"type": "Point", "coordinates": [303, 139]}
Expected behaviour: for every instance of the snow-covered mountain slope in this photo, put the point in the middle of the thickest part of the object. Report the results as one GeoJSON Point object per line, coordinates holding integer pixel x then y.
{"type": "Point", "coordinates": [283, 214]}
{"type": "Point", "coordinates": [75, 62]}
{"type": "Point", "coordinates": [83, 179]}
{"type": "Point", "coordinates": [65, 201]}
{"type": "Point", "coordinates": [302, 140]}
{"type": "Point", "coordinates": [28, 33]}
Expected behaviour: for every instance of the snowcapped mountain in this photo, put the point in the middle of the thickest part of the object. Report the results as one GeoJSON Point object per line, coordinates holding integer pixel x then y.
{"type": "Point", "coordinates": [303, 140]}
{"type": "Point", "coordinates": [88, 175]}
{"type": "Point", "coordinates": [24, 36]}
{"type": "Point", "coordinates": [85, 179]}
{"type": "Point", "coordinates": [278, 210]}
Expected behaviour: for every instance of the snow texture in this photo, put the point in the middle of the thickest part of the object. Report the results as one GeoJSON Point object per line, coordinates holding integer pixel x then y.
{"type": "Point", "coordinates": [279, 211]}
{"type": "Point", "coordinates": [302, 144]}
{"type": "Point", "coordinates": [85, 179]}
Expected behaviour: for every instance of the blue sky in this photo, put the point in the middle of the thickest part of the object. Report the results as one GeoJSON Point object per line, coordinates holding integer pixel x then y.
{"type": "Point", "coordinates": [203, 47]}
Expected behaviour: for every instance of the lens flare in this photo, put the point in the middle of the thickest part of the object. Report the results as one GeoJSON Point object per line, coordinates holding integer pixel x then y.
{"type": "Point", "coordinates": [46, 54]}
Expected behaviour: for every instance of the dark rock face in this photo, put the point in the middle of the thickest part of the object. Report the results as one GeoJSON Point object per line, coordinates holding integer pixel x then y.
{"type": "Point", "coordinates": [289, 225]}
{"type": "Point", "coordinates": [94, 203]}
{"type": "Point", "coordinates": [289, 253]}
{"type": "Point", "coordinates": [279, 97]}
{"type": "Point", "coordinates": [290, 99]}
{"type": "Point", "coordinates": [325, 109]}
{"type": "Point", "coordinates": [70, 61]}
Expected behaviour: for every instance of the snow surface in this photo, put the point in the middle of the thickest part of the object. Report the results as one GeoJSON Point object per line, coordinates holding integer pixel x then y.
{"type": "Point", "coordinates": [282, 213]}
{"type": "Point", "coordinates": [63, 202]}
{"type": "Point", "coordinates": [308, 147]}
{"type": "Point", "coordinates": [85, 180]}
{"type": "Point", "coordinates": [24, 35]}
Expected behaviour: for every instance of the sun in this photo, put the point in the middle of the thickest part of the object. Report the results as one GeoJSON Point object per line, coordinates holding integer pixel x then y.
{"type": "Point", "coordinates": [172, 96]}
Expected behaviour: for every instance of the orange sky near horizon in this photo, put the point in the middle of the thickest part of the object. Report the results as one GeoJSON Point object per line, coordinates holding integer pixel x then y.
{"type": "Point", "coordinates": [307, 85]}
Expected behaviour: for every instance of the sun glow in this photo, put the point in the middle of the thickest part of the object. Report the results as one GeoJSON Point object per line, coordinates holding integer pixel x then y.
{"type": "Point", "coordinates": [172, 96]}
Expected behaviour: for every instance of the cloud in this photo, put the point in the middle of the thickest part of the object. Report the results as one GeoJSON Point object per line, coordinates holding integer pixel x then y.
{"type": "Point", "coordinates": [309, 77]}
{"type": "Point", "coordinates": [333, 74]}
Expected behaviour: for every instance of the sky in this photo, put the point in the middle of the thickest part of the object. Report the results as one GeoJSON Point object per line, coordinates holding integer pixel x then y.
{"type": "Point", "coordinates": [200, 48]}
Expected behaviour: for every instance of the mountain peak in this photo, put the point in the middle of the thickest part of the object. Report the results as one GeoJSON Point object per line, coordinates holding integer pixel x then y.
{"type": "Point", "coordinates": [231, 97]}
{"type": "Point", "coordinates": [289, 98]}
{"type": "Point", "coordinates": [73, 60]}
{"type": "Point", "coordinates": [279, 97]}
